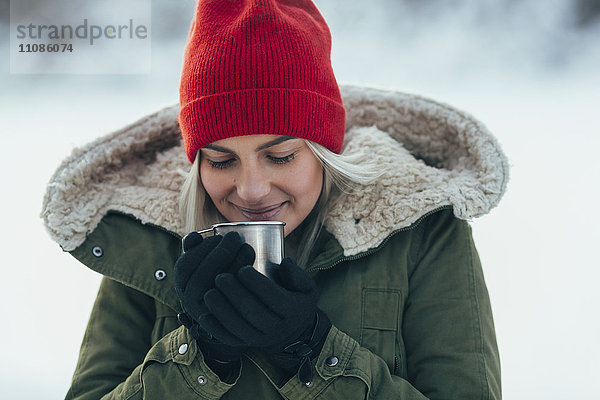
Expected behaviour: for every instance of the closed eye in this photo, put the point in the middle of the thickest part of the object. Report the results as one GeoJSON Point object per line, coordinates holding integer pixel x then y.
{"type": "Point", "coordinates": [275, 160]}
{"type": "Point", "coordinates": [282, 160]}
{"type": "Point", "coordinates": [220, 164]}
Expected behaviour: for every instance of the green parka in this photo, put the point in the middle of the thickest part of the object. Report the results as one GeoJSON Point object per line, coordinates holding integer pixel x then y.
{"type": "Point", "coordinates": [396, 268]}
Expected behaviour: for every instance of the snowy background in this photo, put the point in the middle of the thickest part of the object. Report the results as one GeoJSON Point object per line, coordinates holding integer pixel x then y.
{"type": "Point", "coordinates": [529, 69]}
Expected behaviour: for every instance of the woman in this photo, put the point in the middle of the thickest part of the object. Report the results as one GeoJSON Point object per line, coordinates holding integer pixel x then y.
{"type": "Point", "coordinates": [382, 293]}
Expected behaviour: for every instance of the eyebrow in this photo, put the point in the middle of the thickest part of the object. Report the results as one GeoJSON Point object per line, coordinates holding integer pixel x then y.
{"type": "Point", "coordinates": [263, 146]}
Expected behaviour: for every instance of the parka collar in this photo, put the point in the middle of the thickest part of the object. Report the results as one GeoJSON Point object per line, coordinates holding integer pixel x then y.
{"type": "Point", "coordinates": [434, 156]}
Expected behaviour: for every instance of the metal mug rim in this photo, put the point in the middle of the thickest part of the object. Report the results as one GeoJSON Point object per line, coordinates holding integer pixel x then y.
{"type": "Point", "coordinates": [241, 223]}
{"type": "Point", "coordinates": [249, 223]}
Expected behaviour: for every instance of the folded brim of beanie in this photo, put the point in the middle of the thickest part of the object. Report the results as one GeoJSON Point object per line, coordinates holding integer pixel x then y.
{"type": "Point", "coordinates": [270, 111]}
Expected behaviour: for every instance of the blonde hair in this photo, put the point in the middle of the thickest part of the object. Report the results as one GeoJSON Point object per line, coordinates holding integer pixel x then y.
{"type": "Point", "coordinates": [342, 174]}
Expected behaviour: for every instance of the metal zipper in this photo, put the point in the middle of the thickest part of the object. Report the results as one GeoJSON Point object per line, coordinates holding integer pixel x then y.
{"type": "Point", "coordinates": [371, 251]}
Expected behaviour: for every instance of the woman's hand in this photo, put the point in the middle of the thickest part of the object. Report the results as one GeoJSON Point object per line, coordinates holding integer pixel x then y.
{"type": "Point", "coordinates": [281, 317]}
{"type": "Point", "coordinates": [195, 271]}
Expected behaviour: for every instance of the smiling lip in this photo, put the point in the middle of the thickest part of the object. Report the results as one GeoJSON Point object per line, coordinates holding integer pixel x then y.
{"type": "Point", "coordinates": [261, 214]}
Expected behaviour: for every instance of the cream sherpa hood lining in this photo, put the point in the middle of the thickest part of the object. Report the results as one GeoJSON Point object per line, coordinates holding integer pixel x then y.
{"type": "Point", "coordinates": [434, 156]}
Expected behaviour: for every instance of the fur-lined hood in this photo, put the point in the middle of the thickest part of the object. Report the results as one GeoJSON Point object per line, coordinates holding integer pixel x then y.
{"type": "Point", "coordinates": [435, 156]}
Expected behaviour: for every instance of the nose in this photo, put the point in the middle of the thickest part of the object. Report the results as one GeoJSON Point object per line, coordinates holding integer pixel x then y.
{"type": "Point", "coordinates": [253, 185]}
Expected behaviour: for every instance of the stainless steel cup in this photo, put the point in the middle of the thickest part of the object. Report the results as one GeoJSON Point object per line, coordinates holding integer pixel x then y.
{"type": "Point", "coordinates": [265, 237]}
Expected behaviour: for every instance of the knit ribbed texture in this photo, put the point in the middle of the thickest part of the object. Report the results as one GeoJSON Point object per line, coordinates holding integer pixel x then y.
{"type": "Point", "coordinates": [259, 67]}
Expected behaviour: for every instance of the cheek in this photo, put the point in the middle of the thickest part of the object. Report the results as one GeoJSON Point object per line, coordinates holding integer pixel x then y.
{"type": "Point", "coordinates": [308, 180]}
{"type": "Point", "coordinates": [213, 184]}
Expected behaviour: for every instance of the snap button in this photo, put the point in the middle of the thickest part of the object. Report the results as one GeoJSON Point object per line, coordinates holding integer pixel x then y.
{"type": "Point", "coordinates": [183, 349]}
{"type": "Point", "coordinates": [185, 320]}
{"type": "Point", "coordinates": [309, 384]}
{"type": "Point", "coordinates": [160, 274]}
{"type": "Point", "coordinates": [332, 361]}
{"type": "Point", "coordinates": [202, 380]}
{"type": "Point", "coordinates": [97, 251]}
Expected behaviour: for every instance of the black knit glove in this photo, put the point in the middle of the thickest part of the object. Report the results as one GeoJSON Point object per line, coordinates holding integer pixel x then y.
{"type": "Point", "coordinates": [279, 316]}
{"type": "Point", "coordinates": [195, 271]}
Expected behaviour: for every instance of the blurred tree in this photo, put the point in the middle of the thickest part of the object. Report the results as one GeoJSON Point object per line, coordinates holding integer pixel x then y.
{"type": "Point", "coordinates": [171, 19]}
{"type": "Point", "coordinates": [587, 12]}
{"type": "Point", "coordinates": [4, 11]}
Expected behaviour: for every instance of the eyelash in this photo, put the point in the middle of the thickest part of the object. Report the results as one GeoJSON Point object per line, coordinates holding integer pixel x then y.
{"type": "Point", "coordinates": [275, 160]}
{"type": "Point", "coordinates": [282, 160]}
{"type": "Point", "coordinates": [220, 164]}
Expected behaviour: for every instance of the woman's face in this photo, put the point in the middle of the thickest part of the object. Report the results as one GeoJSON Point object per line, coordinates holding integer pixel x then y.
{"type": "Point", "coordinates": [262, 178]}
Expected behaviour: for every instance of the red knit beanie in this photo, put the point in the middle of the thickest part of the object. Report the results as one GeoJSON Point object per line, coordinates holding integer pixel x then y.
{"type": "Point", "coordinates": [259, 67]}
